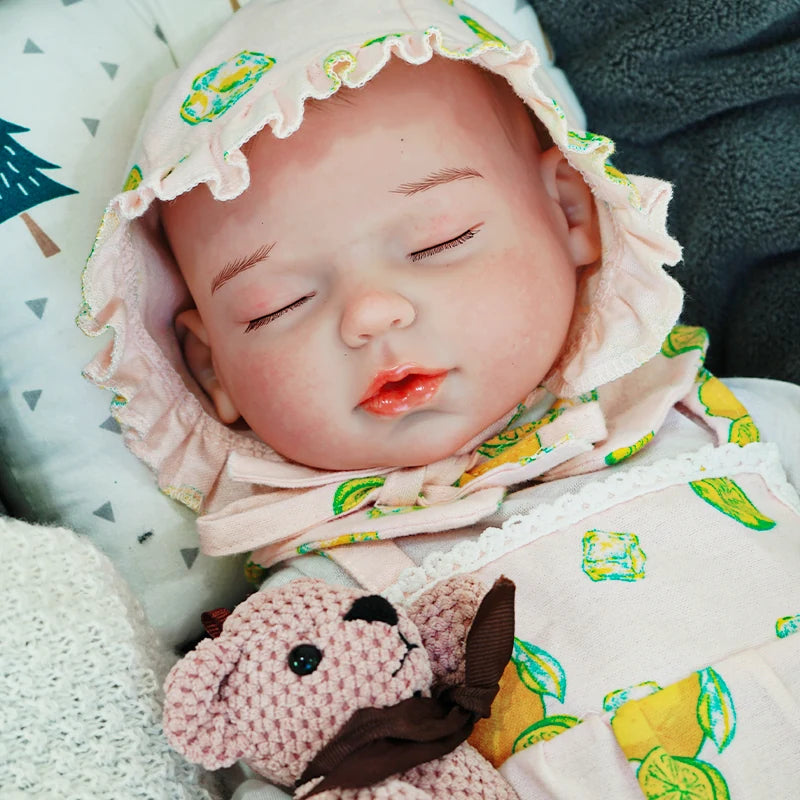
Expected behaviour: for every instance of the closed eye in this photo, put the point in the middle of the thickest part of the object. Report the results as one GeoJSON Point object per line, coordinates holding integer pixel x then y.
{"type": "Point", "coordinates": [438, 248]}
{"type": "Point", "coordinates": [255, 324]}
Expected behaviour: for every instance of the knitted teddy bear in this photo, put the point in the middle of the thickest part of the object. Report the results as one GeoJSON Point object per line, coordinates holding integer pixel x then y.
{"type": "Point", "coordinates": [339, 695]}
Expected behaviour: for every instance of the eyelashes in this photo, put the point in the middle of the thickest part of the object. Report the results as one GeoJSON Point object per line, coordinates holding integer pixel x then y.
{"type": "Point", "coordinates": [255, 324]}
{"type": "Point", "coordinates": [432, 251]}
{"type": "Point", "coordinates": [417, 255]}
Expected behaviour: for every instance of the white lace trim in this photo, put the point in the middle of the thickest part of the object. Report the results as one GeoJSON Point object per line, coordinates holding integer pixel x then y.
{"type": "Point", "coordinates": [519, 530]}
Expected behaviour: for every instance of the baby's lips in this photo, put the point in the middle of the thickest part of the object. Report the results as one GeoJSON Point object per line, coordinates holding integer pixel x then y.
{"type": "Point", "coordinates": [395, 375]}
{"type": "Point", "coordinates": [410, 392]}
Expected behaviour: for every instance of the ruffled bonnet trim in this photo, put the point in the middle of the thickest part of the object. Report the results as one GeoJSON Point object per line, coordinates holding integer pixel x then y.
{"type": "Point", "coordinates": [255, 73]}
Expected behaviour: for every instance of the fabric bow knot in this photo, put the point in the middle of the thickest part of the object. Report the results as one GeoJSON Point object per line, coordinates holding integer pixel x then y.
{"type": "Point", "coordinates": [300, 509]}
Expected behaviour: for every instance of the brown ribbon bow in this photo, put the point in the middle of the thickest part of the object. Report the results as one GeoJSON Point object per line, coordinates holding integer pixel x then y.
{"type": "Point", "coordinates": [378, 742]}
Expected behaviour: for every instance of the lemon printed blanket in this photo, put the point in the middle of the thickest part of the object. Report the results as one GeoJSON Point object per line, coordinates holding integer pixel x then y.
{"type": "Point", "coordinates": [657, 595]}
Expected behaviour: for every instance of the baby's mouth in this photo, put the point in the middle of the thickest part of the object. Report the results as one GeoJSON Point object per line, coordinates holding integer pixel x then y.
{"type": "Point", "coordinates": [396, 391]}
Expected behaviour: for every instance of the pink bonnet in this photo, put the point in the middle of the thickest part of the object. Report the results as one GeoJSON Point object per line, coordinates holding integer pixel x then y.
{"type": "Point", "coordinates": [258, 70]}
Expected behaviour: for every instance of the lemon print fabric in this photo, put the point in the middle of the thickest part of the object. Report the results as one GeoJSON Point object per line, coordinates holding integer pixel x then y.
{"type": "Point", "coordinates": [684, 338]}
{"type": "Point", "coordinates": [133, 180]}
{"type": "Point", "coordinates": [544, 730]}
{"type": "Point", "coordinates": [611, 172]}
{"type": "Point", "coordinates": [621, 453]}
{"type": "Point", "coordinates": [519, 717]}
{"type": "Point", "coordinates": [480, 31]}
{"type": "Point", "coordinates": [665, 729]}
{"type": "Point", "coordinates": [610, 555]}
{"type": "Point", "coordinates": [786, 626]}
{"type": "Point", "coordinates": [727, 496]}
{"type": "Point", "coordinates": [219, 88]}
{"type": "Point", "coordinates": [509, 437]}
{"type": "Point", "coordinates": [666, 777]}
{"type": "Point", "coordinates": [352, 493]}
{"type": "Point", "coordinates": [719, 401]}
{"type": "Point", "coordinates": [338, 541]}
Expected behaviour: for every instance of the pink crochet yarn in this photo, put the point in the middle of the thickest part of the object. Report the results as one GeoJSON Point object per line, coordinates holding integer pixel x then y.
{"type": "Point", "coordinates": [293, 664]}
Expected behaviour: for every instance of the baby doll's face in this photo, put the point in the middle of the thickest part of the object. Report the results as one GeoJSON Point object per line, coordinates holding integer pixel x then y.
{"type": "Point", "coordinates": [399, 274]}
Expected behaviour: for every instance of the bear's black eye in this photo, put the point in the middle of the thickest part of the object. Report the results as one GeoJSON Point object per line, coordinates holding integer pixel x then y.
{"type": "Point", "coordinates": [304, 659]}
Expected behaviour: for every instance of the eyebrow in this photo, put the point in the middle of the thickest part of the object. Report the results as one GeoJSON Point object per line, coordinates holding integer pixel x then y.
{"type": "Point", "coordinates": [233, 268]}
{"type": "Point", "coordinates": [437, 178]}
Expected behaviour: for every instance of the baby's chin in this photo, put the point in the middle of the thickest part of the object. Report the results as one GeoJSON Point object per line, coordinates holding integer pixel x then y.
{"type": "Point", "coordinates": [406, 451]}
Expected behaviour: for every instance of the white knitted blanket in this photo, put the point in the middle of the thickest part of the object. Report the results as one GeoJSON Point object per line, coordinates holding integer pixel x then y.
{"type": "Point", "coordinates": [80, 678]}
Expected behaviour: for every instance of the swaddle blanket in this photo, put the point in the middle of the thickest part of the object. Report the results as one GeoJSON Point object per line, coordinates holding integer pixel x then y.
{"type": "Point", "coordinates": [258, 71]}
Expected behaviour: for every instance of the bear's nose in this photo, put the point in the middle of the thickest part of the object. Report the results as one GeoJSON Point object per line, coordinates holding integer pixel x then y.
{"type": "Point", "coordinates": [372, 608]}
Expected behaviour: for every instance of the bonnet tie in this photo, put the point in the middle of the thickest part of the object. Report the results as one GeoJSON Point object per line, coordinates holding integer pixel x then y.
{"type": "Point", "coordinates": [314, 510]}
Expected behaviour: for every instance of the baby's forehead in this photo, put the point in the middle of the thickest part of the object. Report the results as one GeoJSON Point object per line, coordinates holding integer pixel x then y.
{"type": "Point", "coordinates": [431, 89]}
{"type": "Point", "coordinates": [442, 114]}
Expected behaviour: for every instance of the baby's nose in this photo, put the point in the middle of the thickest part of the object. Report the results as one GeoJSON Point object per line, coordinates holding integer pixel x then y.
{"type": "Point", "coordinates": [372, 608]}
{"type": "Point", "coordinates": [374, 313]}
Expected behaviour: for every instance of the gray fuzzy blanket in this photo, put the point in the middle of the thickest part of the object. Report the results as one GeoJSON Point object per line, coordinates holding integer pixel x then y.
{"type": "Point", "coordinates": [706, 94]}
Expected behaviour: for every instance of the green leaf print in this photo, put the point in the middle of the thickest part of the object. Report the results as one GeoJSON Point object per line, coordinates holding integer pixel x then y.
{"type": "Point", "coordinates": [621, 453]}
{"type": "Point", "coordinates": [715, 711]}
{"type": "Point", "coordinates": [480, 31]}
{"type": "Point", "coordinates": [538, 670]}
{"type": "Point", "coordinates": [786, 626]}
{"type": "Point", "coordinates": [726, 496]}
{"type": "Point", "coordinates": [351, 493]}
{"type": "Point", "coordinates": [613, 700]}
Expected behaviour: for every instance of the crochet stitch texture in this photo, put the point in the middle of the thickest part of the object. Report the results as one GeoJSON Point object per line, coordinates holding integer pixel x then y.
{"type": "Point", "coordinates": [81, 679]}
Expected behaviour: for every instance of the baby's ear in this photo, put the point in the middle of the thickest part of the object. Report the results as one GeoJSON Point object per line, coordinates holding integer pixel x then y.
{"type": "Point", "coordinates": [196, 720]}
{"type": "Point", "coordinates": [566, 186]}
{"type": "Point", "coordinates": [199, 359]}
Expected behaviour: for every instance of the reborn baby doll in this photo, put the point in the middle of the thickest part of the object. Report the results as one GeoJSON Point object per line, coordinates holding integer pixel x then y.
{"type": "Point", "coordinates": [428, 332]}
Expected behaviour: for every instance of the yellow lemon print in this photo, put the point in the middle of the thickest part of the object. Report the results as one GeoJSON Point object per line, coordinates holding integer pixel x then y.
{"type": "Point", "coordinates": [510, 436]}
{"type": "Point", "coordinates": [347, 538]}
{"type": "Point", "coordinates": [337, 65]}
{"type": "Point", "coordinates": [726, 496]}
{"type": "Point", "coordinates": [665, 719]}
{"type": "Point", "coordinates": [588, 141]}
{"type": "Point", "coordinates": [621, 453]}
{"type": "Point", "coordinates": [719, 400]}
{"type": "Point", "coordinates": [743, 431]}
{"type": "Point", "coordinates": [515, 708]}
{"type": "Point", "coordinates": [665, 777]}
{"type": "Point", "coordinates": [683, 338]}
{"type": "Point", "coordinates": [351, 493]}
{"type": "Point", "coordinates": [545, 729]}
{"type": "Point", "coordinates": [520, 452]}
{"type": "Point", "coordinates": [621, 178]}
{"type": "Point", "coordinates": [217, 89]}
{"type": "Point", "coordinates": [188, 495]}
{"type": "Point", "coordinates": [254, 573]}
{"type": "Point", "coordinates": [133, 180]}
{"type": "Point", "coordinates": [377, 513]}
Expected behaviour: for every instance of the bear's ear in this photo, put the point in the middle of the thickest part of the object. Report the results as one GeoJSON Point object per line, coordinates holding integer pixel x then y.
{"type": "Point", "coordinates": [443, 615]}
{"type": "Point", "coordinates": [196, 719]}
